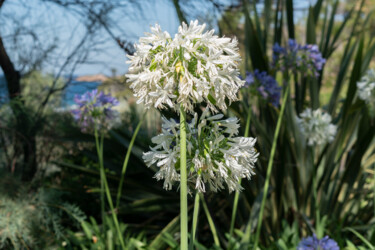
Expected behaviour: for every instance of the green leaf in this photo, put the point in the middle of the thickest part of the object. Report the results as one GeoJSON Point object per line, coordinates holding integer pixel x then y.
{"type": "Point", "coordinates": [310, 29]}
{"type": "Point", "coordinates": [253, 45]}
{"type": "Point", "coordinates": [290, 18]}
{"type": "Point", "coordinates": [211, 99]}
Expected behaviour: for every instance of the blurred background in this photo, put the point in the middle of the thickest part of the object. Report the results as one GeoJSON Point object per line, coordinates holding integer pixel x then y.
{"type": "Point", "coordinates": [52, 50]}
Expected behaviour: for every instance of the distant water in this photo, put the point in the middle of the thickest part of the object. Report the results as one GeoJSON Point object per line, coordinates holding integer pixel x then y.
{"type": "Point", "coordinates": [77, 88]}
{"type": "Point", "coordinates": [73, 89]}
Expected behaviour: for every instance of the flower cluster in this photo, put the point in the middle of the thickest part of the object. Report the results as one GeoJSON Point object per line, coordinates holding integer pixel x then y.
{"type": "Point", "coordinates": [214, 155]}
{"type": "Point", "coordinates": [194, 67]}
{"type": "Point", "coordinates": [316, 126]}
{"type": "Point", "coordinates": [366, 88]}
{"type": "Point", "coordinates": [265, 85]}
{"type": "Point", "coordinates": [313, 243]}
{"type": "Point", "coordinates": [94, 110]}
{"type": "Point", "coordinates": [306, 59]}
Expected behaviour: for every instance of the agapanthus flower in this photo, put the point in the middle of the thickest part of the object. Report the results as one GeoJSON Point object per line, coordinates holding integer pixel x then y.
{"type": "Point", "coordinates": [95, 110]}
{"type": "Point", "coordinates": [366, 88]}
{"type": "Point", "coordinates": [316, 126]}
{"type": "Point", "coordinates": [305, 59]}
{"type": "Point", "coordinates": [215, 156]}
{"type": "Point", "coordinates": [193, 67]}
{"type": "Point", "coordinates": [313, 243]}
{"type": "Point", "coordinates": [265, 85]}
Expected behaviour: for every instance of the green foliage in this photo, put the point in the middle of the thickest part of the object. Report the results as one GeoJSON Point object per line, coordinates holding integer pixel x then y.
{"type": "Point", "coordinates": [37, 85]}
{"type": "Point", "coordinates": [33, 219]}
{"type": "Point", "coordinates": [342, 174]}
{"type": "Point", "coordinates": [94, 236]}
{"type": "Point", "coordinates": [345, 168]}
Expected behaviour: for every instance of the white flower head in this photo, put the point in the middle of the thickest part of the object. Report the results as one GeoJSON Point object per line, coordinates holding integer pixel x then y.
{"type": "Point", "coordinates": [316, 126]}
{"type": "Point", "coordinates": [193, 67]}
{"type": "Point", "coordinates": [366, 88]}
{"type": "Point", "coordinates": [214, 157]}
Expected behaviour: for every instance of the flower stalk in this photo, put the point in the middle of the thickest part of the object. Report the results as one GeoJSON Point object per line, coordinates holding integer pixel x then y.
{"type": "Point", "coordinates": [124, 166]}
{"type": "Point", "coordinates": [210, 221]}
{"type": "Point", "coordinates": [183, 182]}
{"type": "Point", "coordinates": [195, 220]}
{"type": "Point", "coordinates": [270, 165]}
{"type": "Point", "coordinates": [237, 195]}
{"type": "Point", "coordinates": [99, 148]}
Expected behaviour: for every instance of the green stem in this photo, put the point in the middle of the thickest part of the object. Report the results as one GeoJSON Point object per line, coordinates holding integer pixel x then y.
{"type": "Point", "coordinates": [374, 189]}
{"type": "Point", "coordinates": [183, 182]}
{"type": "Point", "coordinates": [210, 221]}
{"type": "Point", "coordinates": [124, 166]}
{"type": "Point", "coordinates": [99, 149]}
{"type": "Point", "coordinates": [316, 206]}
{"type": "Point", "coordinates": [102, 201]}
{"type": "Point", "coordinates": [237, 195]}
{"type": "Point", "coordinates": [270, 164]}
{"type": "Point", "coordinates": [195, 220]}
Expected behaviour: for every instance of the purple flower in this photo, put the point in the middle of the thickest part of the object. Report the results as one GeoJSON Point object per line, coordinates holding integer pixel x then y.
{"type": "Point", "coordinates": [94, 110]}
{"type": "Point", "coordinates": [264, 85]}
{"type": "Point", "coordinates": [313, 243]}
{"type": "Point", "coordinates": [306, 59]}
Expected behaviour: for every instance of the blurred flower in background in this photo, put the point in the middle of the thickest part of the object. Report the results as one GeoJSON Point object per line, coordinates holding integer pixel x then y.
{"type": "Point", "coordinates": [305, 59]}
{"type": "Point", "coordinates": [214, 155]}
{"type": "Point", "coordinates": [316, 126]}
{"type": "Point", "coordinates": [95, 110]}
{"type": "Point", "coordinates": [313, 243]}
{"type": "Point", "coordinates": [192, 68]}
{"type": "Point", "coordinates": [366, 89]}
{"type": "Point", "coordinates": [264, 85]}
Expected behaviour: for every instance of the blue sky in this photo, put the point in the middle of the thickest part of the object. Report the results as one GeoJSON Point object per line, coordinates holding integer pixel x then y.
{"type": "Point", "coordinates": [52, 24]}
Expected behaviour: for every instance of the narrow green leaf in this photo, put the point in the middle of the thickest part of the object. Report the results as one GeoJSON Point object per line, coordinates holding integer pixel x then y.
{"type": "Point", "coordinates": [317, 7]}
{"type": "Point", "coordinates": [310, 29]}
{"type": "Point", "coordinates": [180, 15]}
{"type": "Point", "coordinates": [290, 18]}
{"type": "Point", "coordinates": [363, 239]}
{"type": "Point", "coordinates": [171, 228]}
{"type": "Point", "coordinates": [355, 76]}
{"type": "Point", "coordinates": [330, 27]}
{"type": "Point", "coordinates": [267, 20]}
{"type": "Point", "coordinates": [253, 45]}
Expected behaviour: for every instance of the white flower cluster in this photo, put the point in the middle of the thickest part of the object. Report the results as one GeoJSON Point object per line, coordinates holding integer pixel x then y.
{"type": "Point", "coordinates": [193, 67]}
{"type": "Point", "coordinates": [316, 126]}
{"type": "Point", "coordinates": [214, 155]}
{"type": "Point", "coordinates": [366, 88]}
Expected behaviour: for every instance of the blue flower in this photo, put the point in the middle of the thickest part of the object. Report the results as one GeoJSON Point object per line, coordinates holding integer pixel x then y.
{"type": "Point", "coordinates": [94, 110]}
{"type": "Point", "coordinates": [306, 59]}
{"type": "Point", "coordinates": [313, 243]}
{"type": "Point", "coordinates": [265, 85]}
